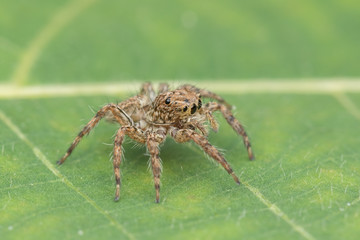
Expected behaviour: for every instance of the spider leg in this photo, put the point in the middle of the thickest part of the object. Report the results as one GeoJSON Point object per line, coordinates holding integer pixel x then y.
{"type": "Point", "coordinates": [206, 94]}
{"type": "Point", "coordinates": [213, 123]}
{"type": "Point", "coordinates": [116, 111]}
{"type": "Point", "coordinates": [201, 127]}
{"type": "Point", "coordinates": [233, 122]}
{"type": "Point", "coordinates": [184, 135]}
{"type": "Point", "coordinates": [152, 143]}
{"type": "Point", "coordinates": [163, 87]}
{"type": "Point", "coordinates": [148, 90]}
{"type": "Point", "coordinates": [135, 134]}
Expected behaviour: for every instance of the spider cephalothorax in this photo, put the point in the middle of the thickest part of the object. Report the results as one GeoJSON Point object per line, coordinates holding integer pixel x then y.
{"type": "Point", "coordinates": [148, 119]}
{"type": "Point", "coordinates": [176, 105]}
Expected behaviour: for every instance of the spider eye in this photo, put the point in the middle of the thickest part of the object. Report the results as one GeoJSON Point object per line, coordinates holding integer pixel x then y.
{"type": "Point", "coordinates": [199, 104]}
{"type": "Point", "coordinates": [167, 101]}
{"type": "Point", "coordinates": [185, 109]}
{"type": "Point", "coordinates": [193, 109]}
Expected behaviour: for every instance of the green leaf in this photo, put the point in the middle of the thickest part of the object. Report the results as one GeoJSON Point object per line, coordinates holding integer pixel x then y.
{"type": "Point", "coordinates": [304, 183]}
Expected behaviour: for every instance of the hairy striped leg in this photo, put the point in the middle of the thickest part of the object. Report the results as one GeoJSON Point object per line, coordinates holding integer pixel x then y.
{"type": "Point", "coordinates": [206, 94]}
{"type": "Point", "coordinates": [234, 123]}
{"type": "Point", "coordinates": [120, 116]}
{"type": "Point", "coordinates": [135, 134]}
{"type": "Point", "coordinates": [184, 135]}
{"type": "Point", "coordinates": [213, 123]}
{"type": "Point", "coordinates": [153, 141]}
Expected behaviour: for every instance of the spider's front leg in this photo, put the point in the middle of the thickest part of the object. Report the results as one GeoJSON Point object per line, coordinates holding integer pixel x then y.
{"type": "Point", "coordinates": [135, 134]}
{"type": "Point", "coordinates": [233, 122]}
{"type": "Point", "coordinates": [119, 115]}
{"type": "Point", "coordinates": [184, 135]}
{"type": "Point", "coordinates": [152, 143]}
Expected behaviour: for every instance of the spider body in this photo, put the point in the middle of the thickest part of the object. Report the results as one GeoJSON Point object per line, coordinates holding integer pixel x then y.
{"type": "Point", "coordinates": [149, 118]}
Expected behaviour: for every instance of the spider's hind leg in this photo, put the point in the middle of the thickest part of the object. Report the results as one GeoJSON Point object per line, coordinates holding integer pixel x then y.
{"type": "Point", "coordinates": [148, 90]}
{"type": "Point", "coordinates": [205, 94]}
{"type": "Point", "coordinates": [163, 87]}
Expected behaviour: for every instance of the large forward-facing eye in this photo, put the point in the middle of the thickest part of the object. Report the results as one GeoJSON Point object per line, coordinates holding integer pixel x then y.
{"type": "Point", "coordinates": [167, 101]}
{"type": "Point", "coordinates": [193, 109]}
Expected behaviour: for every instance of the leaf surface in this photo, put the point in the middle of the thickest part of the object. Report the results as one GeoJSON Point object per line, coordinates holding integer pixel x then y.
{"type": "Point", "coordinates": [304, 183]}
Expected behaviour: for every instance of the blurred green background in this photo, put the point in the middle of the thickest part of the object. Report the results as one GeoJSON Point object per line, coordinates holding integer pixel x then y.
{"type": "Point", "coordinates": [116, 40]}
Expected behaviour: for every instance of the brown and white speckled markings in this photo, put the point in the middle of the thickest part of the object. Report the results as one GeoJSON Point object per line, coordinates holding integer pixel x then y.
{"type": "Point", "coordinates": [149, 117]}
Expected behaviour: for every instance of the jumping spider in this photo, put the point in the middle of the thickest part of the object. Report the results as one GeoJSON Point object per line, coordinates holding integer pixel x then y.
{"type": "Point", "coordinates": [148, 119]}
